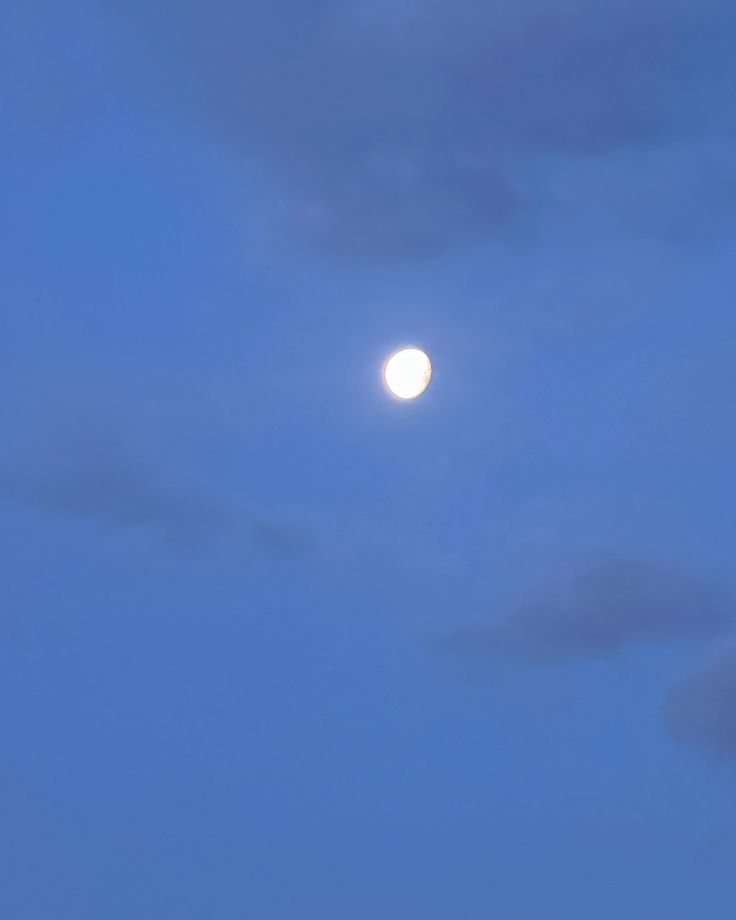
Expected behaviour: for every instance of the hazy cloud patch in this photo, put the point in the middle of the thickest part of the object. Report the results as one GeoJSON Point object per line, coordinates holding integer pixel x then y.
{"type": "Point", "coordinates": [119, 492]}
{"type": "Point", "coordinates": [120, 497]}
{"type": "Point", "coordinates": [396, 130]}
{"type": "Point", "coordinates": [700, 710]}
{"type": "Point", "coordinates": [607, 608]}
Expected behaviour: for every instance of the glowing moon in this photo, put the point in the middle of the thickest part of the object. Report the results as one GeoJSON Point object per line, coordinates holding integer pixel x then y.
{"type": "Point", "coordinates": [407, 373]}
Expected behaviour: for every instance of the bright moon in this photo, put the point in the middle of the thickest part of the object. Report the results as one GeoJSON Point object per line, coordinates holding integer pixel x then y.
{"type": "Point", "coordinates": [407, 373]}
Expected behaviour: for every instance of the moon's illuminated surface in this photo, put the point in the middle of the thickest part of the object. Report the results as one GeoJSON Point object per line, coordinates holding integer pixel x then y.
{"type": "Point", "coordinates": [407, 373]}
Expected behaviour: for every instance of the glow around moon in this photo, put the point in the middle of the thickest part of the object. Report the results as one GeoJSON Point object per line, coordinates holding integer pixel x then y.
{"type": "Point", "coordinates": [407, 373]}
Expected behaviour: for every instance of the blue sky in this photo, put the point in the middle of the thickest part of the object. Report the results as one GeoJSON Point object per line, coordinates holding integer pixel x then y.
{"type": "Point", "coordinates": [275, 645]}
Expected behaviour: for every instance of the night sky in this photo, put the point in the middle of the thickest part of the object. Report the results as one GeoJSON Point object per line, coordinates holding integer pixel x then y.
{"type": "Point", "coordinates": [275, 645]}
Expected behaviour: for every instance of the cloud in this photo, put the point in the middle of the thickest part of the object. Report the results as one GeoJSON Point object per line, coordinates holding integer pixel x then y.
{"type": "Point", "coordinates": [110, 488]}
{"type": "Point", "coordinates": [700, 710]}
{"type": "Point", "coordinates": [120, 497]}
{"type": "Point", "coordinates": [395, 129]}
{"type": "Point", "coordinates": [614, 605]}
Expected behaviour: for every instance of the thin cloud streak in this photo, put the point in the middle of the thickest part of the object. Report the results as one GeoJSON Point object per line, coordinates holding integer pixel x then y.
{"type": "Point", "coordinates": [608, 608]}
{"type": "Point", "coordinates": [121, 494]}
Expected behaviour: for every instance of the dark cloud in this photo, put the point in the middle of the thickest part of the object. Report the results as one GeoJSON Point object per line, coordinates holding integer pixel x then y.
{"type": "Point", "coordinates": [120, 496]}
{"type": "Point", "coordinates": [118, 492]}
{"type": "Point", "coordinates": [700, 710]}
{"type": "Point", "coordinates": [396, 129]}
{"type": "Point", "coordinates": [609, 607]}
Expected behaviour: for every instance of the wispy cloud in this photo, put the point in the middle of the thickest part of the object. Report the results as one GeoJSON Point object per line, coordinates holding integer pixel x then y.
{"type": "Point", "coordinates": [394, 130]}
{"type": "Point", "coordinates": [611, 606]}
{"type": "Point", "coordinates": [115, 491]}
{"type": "Point", "coordinates": [120, 497]}
{"type": "Point", "coordinates": [700, 710]}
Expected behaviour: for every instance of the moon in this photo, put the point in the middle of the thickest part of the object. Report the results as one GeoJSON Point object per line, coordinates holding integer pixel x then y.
{"type": "Point", "coordinates": [407, 372]}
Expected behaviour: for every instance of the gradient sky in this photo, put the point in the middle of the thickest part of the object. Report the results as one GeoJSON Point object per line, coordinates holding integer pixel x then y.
{"type": "Point", "coordinates": [274, 645]}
